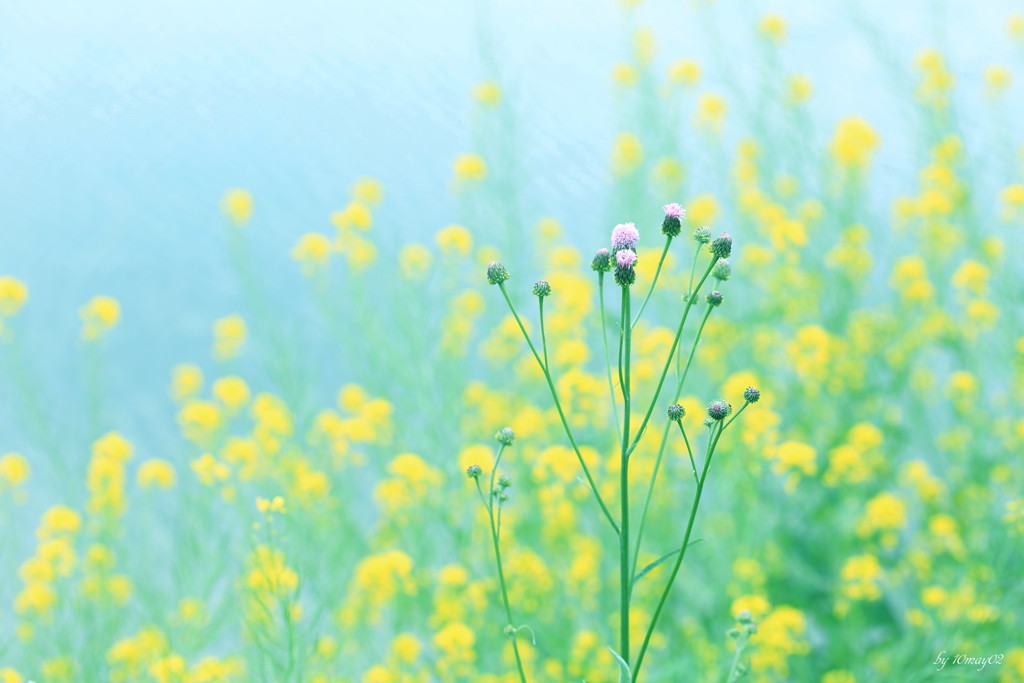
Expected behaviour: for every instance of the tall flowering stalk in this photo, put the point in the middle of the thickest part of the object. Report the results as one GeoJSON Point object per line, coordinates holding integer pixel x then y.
{"type": "Point", "coordinates": [620, 260]}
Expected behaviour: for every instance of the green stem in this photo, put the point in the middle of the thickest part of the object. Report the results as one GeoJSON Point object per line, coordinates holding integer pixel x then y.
{"type": "Point", "coordinates": [543, 336]}
{"type": "Point", "coordinates": [661, 261]}
{"type": "Point", "coordinates": [690, 299]}
{"type": "Point", "coordinates": [495, 539]}
{"type": "Point", "coordinates": [693, 274]}
{"type": "Point", "coordinates": [625, 576]}
{"type": "Point", "coordinates": [712, 445]}
{"type": "Point", "coordinates": [664, 441]}
{"type": "Point", "coordinates": [561, 413]}
{"type": "Point", "coordinates": [607, 356]}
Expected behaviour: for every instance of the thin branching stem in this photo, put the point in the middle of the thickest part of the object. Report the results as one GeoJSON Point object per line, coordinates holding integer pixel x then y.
{"type": "Point", "coordinates": [657, 272]}
{"type": "Point", "coordinates": [561, 413]}
{"type": "Point", "coordinates": [664, 441]}
{"type": "Point", "coordinates": [691, 298]}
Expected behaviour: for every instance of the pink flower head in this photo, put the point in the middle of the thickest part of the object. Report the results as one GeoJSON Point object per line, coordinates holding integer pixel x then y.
{"type": "Point", "coordinates": [673, 210]}
{"type": "Point", "coordinates": [625, 236]}
{"type": "Point", "coordinates": [625, 258]}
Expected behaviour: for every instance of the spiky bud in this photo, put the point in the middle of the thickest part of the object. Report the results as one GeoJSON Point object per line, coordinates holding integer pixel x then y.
{"type": "Point", "coordinates": [722, 270]}
{"type": "Point", "coordinates": [602, 262]}
{"type": "Point", "coordinates": [673, 223]}
{"type": "Point", "coordinates": [676, 412]}
{"type": "Point", "coordinates": [722, 246]}
{"type": "Point", "coordinates": [505, 436]}
{"type": "Point", "coordinates": [496, 273]}
{"type": "Point", "coordinates": [702, 235]}
{"type": "Point", "coordinates": [719, 410]}
{"type": "Point", "coordinates": [504, 481]}
{"type": "Point", "coordinates": [751, 394]}
{"type": "Point", "coordinates": [715, 298]}
{"type": "Point", "coordinates": [541, 288]}
{"type": "Point", "coordinates": [474, 471]}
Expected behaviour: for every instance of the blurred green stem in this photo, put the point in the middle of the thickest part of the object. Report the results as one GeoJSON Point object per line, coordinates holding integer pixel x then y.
{"type": "Point", "coordinates": [488, 502]}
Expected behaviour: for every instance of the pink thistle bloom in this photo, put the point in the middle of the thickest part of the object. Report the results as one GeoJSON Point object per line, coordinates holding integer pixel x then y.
{"type": "Point", "coordinates": [674, 210]}
{"type": "Point", "coordinates": [625, 236]}
{"type": "Point", "coordinates": [625, 258]}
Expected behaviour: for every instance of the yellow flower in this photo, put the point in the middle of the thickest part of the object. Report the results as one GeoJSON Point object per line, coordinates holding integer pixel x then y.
{"type": "Point", "coordinates": [414, 261]}
{"type": "Point", "coordinates": [98, 315]}
{"type": "Point", "coordinates": [799, 89]}
{"type": "Point", "coordinates": [232, 391]}
{"type": "Point", "coordinates": [624, 74]}
{"type": "Point", "coordinates": [275, 504]}
{"type": "Point", "coordinates": [355, 215]}
{"type": "Point", "coordinates": [13, 294]}
{"type": "Point", "coordinates": [772, 27]}
{"type": "Point", "coordinates": [1012, 198]}
{"type": "Point", "coordinates": [684, 72]}
{"type": "Point", "coordinates": [487, 93]}
{"type": "Point", "coordinates": [644, 46]}
{"type": "Point", "coordinates": [997, 80]}
{"type": "Point", "coordinates": [229, 335]}
{"type": "Point", "coordinates": [186, 381]}
{"type": "Point", "coordinates": [854, 142]}
{"type": "Point", "coordinates": [469, 168]}
{"type": "Point", "coordinates": [627, 154]}
{"type": "Point", "coordinates": [702, 210]}
{"type": "Point", "coordinates": [455, 638]}
{"type": "Point", "coordinates": [8, 675]}
{"type": "Point", "coordinates": [368, 191]}
{"type": "Point", "coordinates": [1015, 27]}
{"type": "Point", "coordinates": [406, 647]}
{"type": "Point", "coordinates": [14, 469]}
{"type": "Point", "coordinates": [156, 473]}
{"type": "Point", "coordinates": [972, 277]}
{"type": "Point", "coordinates": [237, 206]}
{"type": "Point", "coordinates": [454, 239]}
{"type": "Point", "coordinates": [711, 110]}
{"type": "Point", "coordinates": [312, 251]}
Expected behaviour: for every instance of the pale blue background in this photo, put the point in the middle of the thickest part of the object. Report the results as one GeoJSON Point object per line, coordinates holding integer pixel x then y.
{"type": "Point", "coordinates": [122, 123]}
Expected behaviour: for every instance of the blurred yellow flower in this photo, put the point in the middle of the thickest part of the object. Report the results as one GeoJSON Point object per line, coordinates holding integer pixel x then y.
{"type": "Point", "coordinates": [368, 191]}
{"type": "Point", "coordinates": [186, 381]}
{"type": "Point", "coordinates": [799, 89]}
{"type": "Point", "coordinates": [684, 72]}
{"type": "Point", "coordinates": [487, 93]}
{"type": "Point", "coordinates": [454, 239]}
{"type": "Point", "coordinates": [854, 142]}
{"type": "Point", "coordinates": [13, 294]}
{"type": "Point", "coordinates": [312, 251]}
{"type": "Point", "coordinates": [157, 473]}
{"type": "Point", "coordinates": [232, 391]}
{"type": "Point", "coordinates": [237, 206]}
{"type": "Point", "coordinates": [711, 110]}
{"type": "Point", "coordinates": [644, 46]}
{"type": "Point", "coordinates": [229, 335]}
{"type": "Point", "coordinates": [772, 27]}
{"type": "Point", "coordinates": [99, 314]}
{"type": "Point", "coordinates": [469, 168]}
{"type": "Point", "coordinates": [624, 74]}
{"type": "Point", "coordinates": [997, 80]}
{"type": "Point", "coordinates": [414, 261]}
{"type": "Point", "coordinates": [14, 470]}
{"type": "Point", "coordinates": [627, 153]}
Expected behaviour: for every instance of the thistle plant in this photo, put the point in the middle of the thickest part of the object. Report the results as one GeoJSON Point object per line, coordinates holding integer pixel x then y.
{"type": "Point", "coordinates": [621, 260]}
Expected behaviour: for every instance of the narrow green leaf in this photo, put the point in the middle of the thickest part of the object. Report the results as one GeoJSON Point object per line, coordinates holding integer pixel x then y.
{"type": "Point", "coordinates": [653, 565]}
{"type": "Point", "coordinates": [625, 676]}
